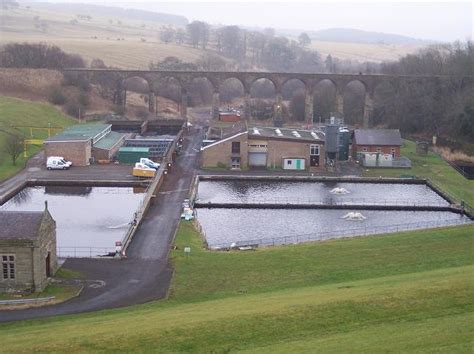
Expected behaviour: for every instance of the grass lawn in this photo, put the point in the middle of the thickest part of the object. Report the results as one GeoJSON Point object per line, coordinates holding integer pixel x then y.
{"type": "Point", "coordinates": [61, 291]}
{"type": "Point", "coordinates": [433, 167]}
{"type": "Point", "coordinates": [24, 113]}
{"type": "Point", "coordinates": [404, 292]}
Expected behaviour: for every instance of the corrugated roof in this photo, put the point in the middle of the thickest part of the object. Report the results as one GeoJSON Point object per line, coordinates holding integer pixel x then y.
{"type": "Point", "coordinates": [20, 225]}
{"type": "Point", "coordinates": [80, 132]}
{"type": "Point", "coordinates": [378, 137]}
{"type": "Point", "coordinates": [109, 141]}
{"type": "Point", "coordinates": [285, 133]}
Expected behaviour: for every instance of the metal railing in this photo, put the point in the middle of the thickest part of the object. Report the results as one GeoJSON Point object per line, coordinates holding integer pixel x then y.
{"type": "Point", "coordinates": [320, 236]}
{"type": "Point", "coordinates": [84, 252]}
{"type": "Point", "coordinates": [341, 200]}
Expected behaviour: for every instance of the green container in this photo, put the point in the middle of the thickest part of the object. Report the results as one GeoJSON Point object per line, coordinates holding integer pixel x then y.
{"type": "Point", "coordinates": [130, 155]}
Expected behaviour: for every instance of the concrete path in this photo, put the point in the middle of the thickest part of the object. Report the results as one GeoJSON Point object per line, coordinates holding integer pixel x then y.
{"type": "Point", "coordinates": [146, 274]}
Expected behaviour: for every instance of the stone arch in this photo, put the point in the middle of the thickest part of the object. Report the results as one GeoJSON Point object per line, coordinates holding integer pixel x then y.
{"type": "Point", "coordinates": [231, 88]}
{"type": "Point", "coordinates": [200, 90]}
{"type": "Point", "coordinates": [168, 87]}
{"type": "Point", "coordinates": [384, 102]}
{"type": "Point", "coordinates": [264, 98]}
{"type": "Point", "coordinates": [294, 96]}
{"type": "Point", "coordinates": [325, 100]}
{"type": "Point", "coordinates": [355, 95]}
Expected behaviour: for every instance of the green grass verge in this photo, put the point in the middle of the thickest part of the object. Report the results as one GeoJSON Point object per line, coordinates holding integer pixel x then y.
{"type": "Point", "coordinates": [18, 112]}
{"type": "Point", "coordinates": [333, 316]}
{"type": "Point", "coordinates": [404, 292]}
{"type": "Point", "coordinates": [433, 167]}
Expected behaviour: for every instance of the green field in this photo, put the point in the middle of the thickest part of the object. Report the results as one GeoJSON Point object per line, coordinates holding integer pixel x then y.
{"type": "Point", "coordinates": [24, 113]}
{"type": "Point", "coordinates": [433, 167]}
{"type": "Point", "coordinates": [404, 293]}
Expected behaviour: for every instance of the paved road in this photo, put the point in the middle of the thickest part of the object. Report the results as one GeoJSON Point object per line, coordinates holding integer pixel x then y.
{"type": "Point", "coordinates": [146, 274]}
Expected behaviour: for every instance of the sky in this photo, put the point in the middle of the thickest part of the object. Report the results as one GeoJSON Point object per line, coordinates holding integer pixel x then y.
{"type": "Point", "coordinates": [442, 21]}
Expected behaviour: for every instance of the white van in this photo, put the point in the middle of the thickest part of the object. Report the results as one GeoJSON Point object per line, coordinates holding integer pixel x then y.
{"type": "Point", "coordinates": [57, 163]}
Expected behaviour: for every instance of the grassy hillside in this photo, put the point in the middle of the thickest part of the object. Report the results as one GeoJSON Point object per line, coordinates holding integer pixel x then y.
{"type": "Point", "coordinates": [433, 167]}
{"type": "Point", "coordinates": [128, 43]}
{"type": "Point", "coordinates": [404, 292]}
{"type": "Point", "coordinates": [15, 112]}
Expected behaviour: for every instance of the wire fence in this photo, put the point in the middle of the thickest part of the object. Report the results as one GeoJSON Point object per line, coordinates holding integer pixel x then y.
{"type": "Point", "coordinates": [354, 232]}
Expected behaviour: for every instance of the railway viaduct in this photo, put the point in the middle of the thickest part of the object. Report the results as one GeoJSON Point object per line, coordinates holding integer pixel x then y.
{"type": "Point", "coordinates": [217, 78]}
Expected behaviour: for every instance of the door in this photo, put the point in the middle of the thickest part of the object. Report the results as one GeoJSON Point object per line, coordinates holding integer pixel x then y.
{"type": "Point", "coordinates": [48, 265]}
{"type": "Point", "coordinates": [298, 164]}
{"type": "Point", "coordinates": [257, 159]}
{"type": "Point", "coordinates": [314, 160]}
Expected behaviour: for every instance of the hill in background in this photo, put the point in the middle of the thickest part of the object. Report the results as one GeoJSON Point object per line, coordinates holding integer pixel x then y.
{"type": "Point", "coordinates": [112, 11]}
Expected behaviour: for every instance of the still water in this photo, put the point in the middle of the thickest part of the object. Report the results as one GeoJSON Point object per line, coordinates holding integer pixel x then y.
{"type": "Point", "coordinates": [223, 227]}
{"type": "Point", "coordinates": [242, 191]}
{"type": "Point", "coordinates": [85, 216]}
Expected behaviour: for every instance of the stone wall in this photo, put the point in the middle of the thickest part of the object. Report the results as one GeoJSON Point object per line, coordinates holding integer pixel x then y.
{"type": "Point", "coordinates": [30, 258]}
{"type": "Point", "coordinates": [280, 149]}
{"type": "Point", "coordinates": [220, 154]}
{"type": "Point", "coordinates": [78, 152]}
{"type": "Point", "coordinates": [373, 148]}
{"type": "Point", "coordinates": [23, 252]}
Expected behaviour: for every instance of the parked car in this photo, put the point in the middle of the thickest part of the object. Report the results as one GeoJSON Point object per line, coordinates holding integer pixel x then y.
{"type": "Point", "coordinates": [149, 163]}
{"type": "Point", "coordinates": [57, 163]}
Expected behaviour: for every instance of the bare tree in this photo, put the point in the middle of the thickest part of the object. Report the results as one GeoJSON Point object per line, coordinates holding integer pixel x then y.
{"type": "Point", "coordinates": [304, 39]}
{"type": "Point", "coordinates": [13, 146]}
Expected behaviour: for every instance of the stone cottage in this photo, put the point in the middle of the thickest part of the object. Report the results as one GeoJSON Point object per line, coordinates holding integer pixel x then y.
{"type": "Point", "coordinates": [27, 250]}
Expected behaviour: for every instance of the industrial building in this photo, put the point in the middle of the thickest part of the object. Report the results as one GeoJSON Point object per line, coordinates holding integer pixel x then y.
{"type": "Point", "coordinates": [377, 147]}
{"type": "Point", "coordinates": [85, 143]}
{"type": "Point", "coordinates": [267, 147]}
{"type": "Point", "coordinates": [27, 250]}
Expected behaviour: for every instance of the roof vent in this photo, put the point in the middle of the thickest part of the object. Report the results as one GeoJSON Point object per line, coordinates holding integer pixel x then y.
{"type": "Point", "coordinates": [296, 134]}
{"type": "Point", "coordinates": [256, 131]}
{"type": "Point", "coordinates": [278, 132]}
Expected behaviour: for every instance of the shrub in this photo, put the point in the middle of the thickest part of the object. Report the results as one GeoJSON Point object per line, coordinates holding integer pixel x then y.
{"type": "Point", "coordinates": [75, 109]}
{"type": "Point", "coordinates": [57, 97]}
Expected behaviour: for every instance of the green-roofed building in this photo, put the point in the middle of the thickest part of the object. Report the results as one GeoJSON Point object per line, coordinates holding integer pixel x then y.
{"type": "Point", "coordinates": [83, 143]}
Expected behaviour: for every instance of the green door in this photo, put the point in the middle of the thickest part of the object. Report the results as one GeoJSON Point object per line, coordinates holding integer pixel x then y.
{"type": "Point", "coordinates": [298, 164]}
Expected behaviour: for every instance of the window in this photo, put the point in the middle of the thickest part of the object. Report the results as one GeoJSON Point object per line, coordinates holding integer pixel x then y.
{"type": "Point", "coordinates": [236, 147]}
{"type": "Point", "coordinates": [288, 162]}
{"type": "Point", "coordinates": [8, 267]}
{"type": "Point", "coordinates": [394, 152]}
{"type": "Point", "coordinates": [379, 149]}
{"type": "Point", "coordinates": [364, 149]}
{"type": "Point", "coordinates": [314, 149]}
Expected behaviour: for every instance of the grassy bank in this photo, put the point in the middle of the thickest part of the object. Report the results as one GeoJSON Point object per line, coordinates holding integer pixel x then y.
{"type": "Point", "coordinates": [403, 292]}
{"type": "Point", "coordinates": [15, 112]}
{"type": "Point", "coordinates": [433, 167]}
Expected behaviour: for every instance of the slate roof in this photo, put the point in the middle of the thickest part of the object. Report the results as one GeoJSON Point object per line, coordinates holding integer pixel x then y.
{"type": "Point", "coordinates": [378, 137]}
{"type": "Point", "coordinates": [20, 225]}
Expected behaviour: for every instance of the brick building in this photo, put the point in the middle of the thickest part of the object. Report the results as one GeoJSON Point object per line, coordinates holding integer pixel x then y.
{"type": "Point", "coordinates": [84, 143]}
{"type": "Point", "coordinates": [27, 250]}
{"type": "Point", "coordinates": [382, 141]}
{"type": "Point", "coordinates": [267, 147]}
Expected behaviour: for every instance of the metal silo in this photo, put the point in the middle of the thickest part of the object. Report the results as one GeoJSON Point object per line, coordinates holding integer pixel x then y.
{"type": "Point", "coordinates": [343, 148]}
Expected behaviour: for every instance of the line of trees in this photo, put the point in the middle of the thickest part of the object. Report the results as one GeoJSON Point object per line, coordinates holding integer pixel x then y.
{"type": "Point", "coordinates": [37, 56]}
{"type": "Point", "coordinates": [441, 106]}
{"type": "Point", "coordinates": [261, 49]}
